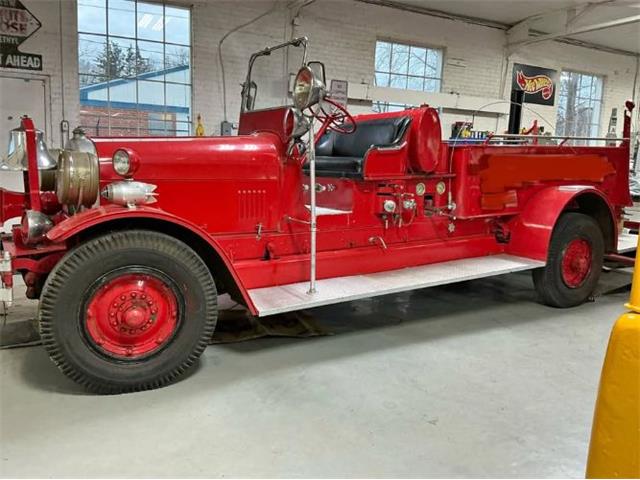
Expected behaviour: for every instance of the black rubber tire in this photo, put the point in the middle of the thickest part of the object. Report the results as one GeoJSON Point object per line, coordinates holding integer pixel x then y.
{"type": "Point", "coordinates": [68, 287]}
{"type": "Point", "coordinates": [548, 280]}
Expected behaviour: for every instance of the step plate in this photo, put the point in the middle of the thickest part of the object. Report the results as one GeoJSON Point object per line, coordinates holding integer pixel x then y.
{"type": "Point", "coordinates": [286, 298]}
{"type": "Point", "coordinates": [627, 242]}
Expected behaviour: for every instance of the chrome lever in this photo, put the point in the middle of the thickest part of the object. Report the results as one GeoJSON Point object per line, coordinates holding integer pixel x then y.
{"type": "Point", "coordinates": [376, 239]}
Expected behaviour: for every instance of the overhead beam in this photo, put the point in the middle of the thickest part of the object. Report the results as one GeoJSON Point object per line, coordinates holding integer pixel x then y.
{"type": "Point", "coordinates": [574, 14]}
{"type": "Point", "coordinates": [594, 46]}
{"type": "Point", "coordinates": [619, 22]}
{"type": "Point", "coordinates": [578, 11]}
{"type": "Point", "coordinates": [397, 5]}
{"type": "Point", "coordinates": [437, 13]}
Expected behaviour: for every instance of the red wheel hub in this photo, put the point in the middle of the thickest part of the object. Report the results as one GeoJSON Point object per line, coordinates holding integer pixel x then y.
{"type": "Point", "coordinates": [576, 262]}
{"type": "Point", "coordinates": [132, 315]}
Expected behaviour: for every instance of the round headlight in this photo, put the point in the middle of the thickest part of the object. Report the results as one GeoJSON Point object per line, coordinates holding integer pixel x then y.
{"type": "Point", "coordinates": [302, 88]}
{"type": "Point", "coordinates": [122, 162]}
{"type": "Point", "coordinates": [35, 226]}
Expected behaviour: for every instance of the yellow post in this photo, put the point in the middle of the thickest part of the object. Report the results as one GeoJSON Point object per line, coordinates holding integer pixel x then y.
{"type": "Point", "coordinates": [634, 298]}
{"type": "Point", "coordinates": [199, 127]}
{"type": "Point", "coordinates": [614, 451]}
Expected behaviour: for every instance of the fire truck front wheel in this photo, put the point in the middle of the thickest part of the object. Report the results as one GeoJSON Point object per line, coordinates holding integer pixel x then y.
{"type": "Point", "coordinates": [574, 262]}
{"type": "Point", "coordinates": [128, 311]}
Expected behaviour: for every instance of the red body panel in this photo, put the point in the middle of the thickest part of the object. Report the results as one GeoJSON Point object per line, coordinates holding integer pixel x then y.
{"type": "Point", "coordinates": [224, 184]}
{"type": "Point", "coordinates": [531, 229]}
{"type": "Point", "coordinates": [275, 120]}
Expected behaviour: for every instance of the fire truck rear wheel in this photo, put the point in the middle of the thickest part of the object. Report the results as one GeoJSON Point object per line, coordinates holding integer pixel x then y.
{"type": "Point", "coordinates": [128, 311]}
{"type": "Point", "coordinates": [574, 262]}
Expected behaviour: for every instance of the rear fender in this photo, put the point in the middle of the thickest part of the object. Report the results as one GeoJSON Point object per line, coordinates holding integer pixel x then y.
{"type": "Point", "coordinates": [104, 216]}
{"type": "Point", "coordinates": [530, 232]}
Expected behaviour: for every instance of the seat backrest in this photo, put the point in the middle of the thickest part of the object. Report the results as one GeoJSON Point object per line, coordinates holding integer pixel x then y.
{"type": "Point", "coordinates": [379, 131]}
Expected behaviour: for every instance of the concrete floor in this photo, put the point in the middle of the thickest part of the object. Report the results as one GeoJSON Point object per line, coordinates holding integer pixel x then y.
{"type": "Point", "coordinates": [473, 379]}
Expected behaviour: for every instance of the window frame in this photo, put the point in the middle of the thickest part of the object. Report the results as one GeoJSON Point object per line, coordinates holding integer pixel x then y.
{"type": "Point", "coordinates": [163, 108]}
{"type": "Point", "coordinates": [598, 122]}
{"type": "Point", "coordinates": [410, 43]}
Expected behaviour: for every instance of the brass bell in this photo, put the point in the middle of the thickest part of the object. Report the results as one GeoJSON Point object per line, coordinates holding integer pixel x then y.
{"type": "Point", "coordinates": [45, 160]}
{"type": "Point", "coordinates": [16, 158]}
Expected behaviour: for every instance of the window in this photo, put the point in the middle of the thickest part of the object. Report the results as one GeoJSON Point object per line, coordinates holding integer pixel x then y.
{"type": "Point", "coordinates": [134, 62]}
{"type": "Point", "coordinates": [408, 67]}
{"type": "Point", "coordinates": [579, 105]}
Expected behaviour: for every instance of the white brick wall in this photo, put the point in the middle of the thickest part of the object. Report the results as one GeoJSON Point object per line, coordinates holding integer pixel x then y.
{"type": "Point", "coordinates": [342, 34]}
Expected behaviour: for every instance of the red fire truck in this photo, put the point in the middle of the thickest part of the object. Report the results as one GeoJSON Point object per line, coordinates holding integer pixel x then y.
{"type": "Point", "coordinates": [127, 242]}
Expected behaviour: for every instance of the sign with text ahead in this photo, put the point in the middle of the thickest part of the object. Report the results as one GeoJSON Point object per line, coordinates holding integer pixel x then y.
{"type": "Point", "coordinates": [537, 83]}
{"type": "Point", "coordinates": [17, 24]}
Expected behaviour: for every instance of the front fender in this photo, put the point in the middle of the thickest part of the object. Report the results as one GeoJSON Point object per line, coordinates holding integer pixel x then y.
{"type": "Point", "coordinates": [531, 230]}
{"type": "Point", "coordinates": [106, 213]}
{"type": "Point", "coordinates": [83, 221]}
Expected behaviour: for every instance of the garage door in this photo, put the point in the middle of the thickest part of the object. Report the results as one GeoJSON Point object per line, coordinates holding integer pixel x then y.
{"type": "Point", "coordinates": [19, 97]}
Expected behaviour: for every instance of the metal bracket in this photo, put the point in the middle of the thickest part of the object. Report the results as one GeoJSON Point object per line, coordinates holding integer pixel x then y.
{"type": "Point", "coordinates": [329, 187]}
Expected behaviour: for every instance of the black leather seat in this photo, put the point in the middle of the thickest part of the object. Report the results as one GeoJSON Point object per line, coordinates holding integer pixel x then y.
{"type": "Point", "coordinates": [342, 155]}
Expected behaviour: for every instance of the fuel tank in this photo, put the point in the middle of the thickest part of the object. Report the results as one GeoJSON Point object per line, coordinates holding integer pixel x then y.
{"type": "Point", "coordinates": [224, 184]}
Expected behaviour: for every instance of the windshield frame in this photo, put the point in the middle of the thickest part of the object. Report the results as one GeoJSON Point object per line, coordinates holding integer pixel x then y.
{"type": "Point", "coordinates": [246, 86]}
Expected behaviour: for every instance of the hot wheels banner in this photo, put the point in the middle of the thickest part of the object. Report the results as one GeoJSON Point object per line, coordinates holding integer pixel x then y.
{"type": "Point", "coordinates": [537, 83]}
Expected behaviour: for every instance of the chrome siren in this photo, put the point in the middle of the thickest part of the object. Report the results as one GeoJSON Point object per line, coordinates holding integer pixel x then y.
{"type": "Point", "coordinates": [130, 193]}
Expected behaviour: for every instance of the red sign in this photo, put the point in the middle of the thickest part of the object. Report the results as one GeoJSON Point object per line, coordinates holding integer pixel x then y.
{"type": "Point", "coordinates": [17, 24]}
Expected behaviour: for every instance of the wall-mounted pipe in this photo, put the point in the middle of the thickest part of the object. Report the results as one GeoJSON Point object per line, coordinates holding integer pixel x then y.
{"type": "Point", "coordinates": [221, 60]}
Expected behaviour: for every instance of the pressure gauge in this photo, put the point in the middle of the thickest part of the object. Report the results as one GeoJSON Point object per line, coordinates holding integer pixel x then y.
{"type": "Point", "coordinates": [441, 188]}
{"type": "Point", "coordinates": [389, 206]}
{"type": "Point", "coordinates": [420, 189]}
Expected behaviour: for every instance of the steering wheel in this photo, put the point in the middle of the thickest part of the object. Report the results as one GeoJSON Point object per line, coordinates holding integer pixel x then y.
{"type": "Point", "coordinates": [337, 119]}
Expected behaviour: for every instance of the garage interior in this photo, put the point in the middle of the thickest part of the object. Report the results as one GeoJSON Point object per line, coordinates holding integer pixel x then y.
{"type": "Point", "coordinates": [473, 378]}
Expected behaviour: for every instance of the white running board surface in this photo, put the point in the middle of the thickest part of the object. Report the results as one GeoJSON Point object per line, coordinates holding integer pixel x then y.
{"type": "Point", "coordinates": [627, 242]}
{"type": "Point", "coordinates": [321, 211]}
{"type": "Point", "coordinates": [287, 298]}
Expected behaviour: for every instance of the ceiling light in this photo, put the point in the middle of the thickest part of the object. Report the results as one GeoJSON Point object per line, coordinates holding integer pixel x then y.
{"type": "Point", "coordinates": [145, 20]}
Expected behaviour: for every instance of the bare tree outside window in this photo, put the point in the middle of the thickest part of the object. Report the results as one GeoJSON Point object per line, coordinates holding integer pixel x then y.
{"type": "Point", "coordinates": [408, 67]}
{"type": "Point", "coordinates": [579, 105]}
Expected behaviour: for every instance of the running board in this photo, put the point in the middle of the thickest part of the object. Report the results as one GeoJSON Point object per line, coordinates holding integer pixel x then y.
{"type": "Point", "coordinates": [286, 298]}
{"type": "Point", "coordinates": [627, 242]}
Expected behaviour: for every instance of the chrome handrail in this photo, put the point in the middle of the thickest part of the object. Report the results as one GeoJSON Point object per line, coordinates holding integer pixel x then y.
{"type": "Point", "coordinates": [552, 137]}
{"type": "Point", "coordinates": [313, 210]}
